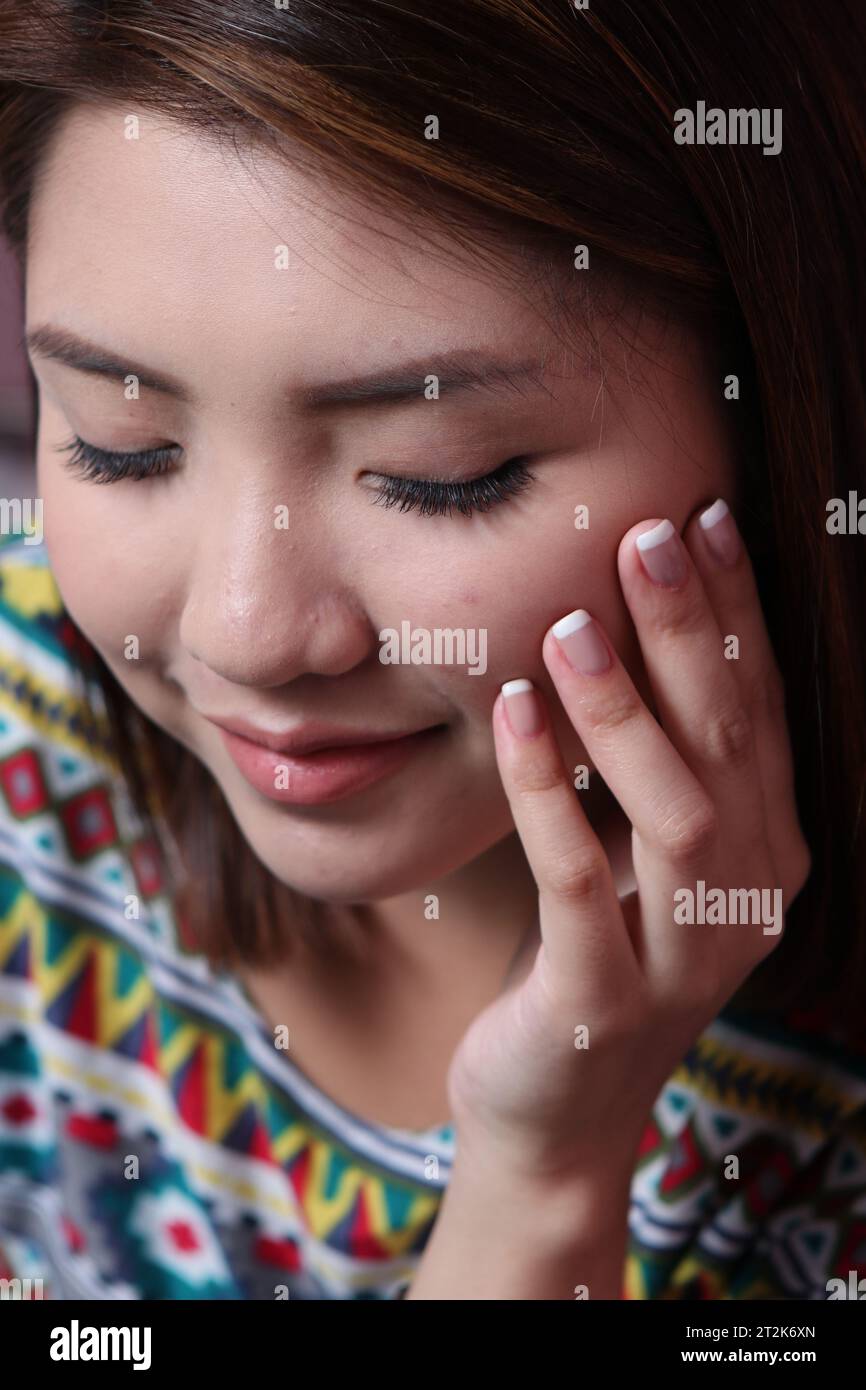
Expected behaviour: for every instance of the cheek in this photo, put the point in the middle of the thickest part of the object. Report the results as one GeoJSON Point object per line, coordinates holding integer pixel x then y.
{"type": "Point", "coordinates": [512, 595]}
{"type": "Point", "coordinates": [516, 598]}
{"type": "Point", "coordinates": [513, 592]}
{"type": "Point", "coordinates": [107, 579]}
{"type": "Point", "coordinates": [86, 585]}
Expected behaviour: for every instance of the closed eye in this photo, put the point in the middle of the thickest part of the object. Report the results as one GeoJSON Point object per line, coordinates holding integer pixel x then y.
{"type": "Point", "coordinates": [110, 466]}
{"type": "Point", "coordinates": [430, 496]}
{"type": "Point", "coordinates": [434, 498]}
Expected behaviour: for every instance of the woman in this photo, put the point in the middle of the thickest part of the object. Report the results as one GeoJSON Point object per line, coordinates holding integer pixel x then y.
{"type": "Point", "coordinates": [400, 378]}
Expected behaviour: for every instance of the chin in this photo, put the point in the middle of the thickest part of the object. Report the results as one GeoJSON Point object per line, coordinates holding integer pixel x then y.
{"type": "Point", "coordinates": [345, 854]}
{"type": "Point", "coordinates": [339, 877]}
{"type": "Point", "coordinates": [361, 862]}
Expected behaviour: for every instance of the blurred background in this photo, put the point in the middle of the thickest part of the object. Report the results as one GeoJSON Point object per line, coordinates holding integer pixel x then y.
{"type": "Point", "coordinates": [17, 406]}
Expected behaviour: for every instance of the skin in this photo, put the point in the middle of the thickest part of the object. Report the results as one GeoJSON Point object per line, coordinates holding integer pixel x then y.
{"type": "Point", "coordinates": [162, 250]}
{"type": "Point", "coordinates": [551, 1131]}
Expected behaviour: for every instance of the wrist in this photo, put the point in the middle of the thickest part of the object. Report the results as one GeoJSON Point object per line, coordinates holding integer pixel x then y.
{"type": "Point", "coordinates": [547, 1208]}
{"type": "Point", "coordinates": [582, 1184]}
{"type": "Point", "coordinates": [501, 1234]}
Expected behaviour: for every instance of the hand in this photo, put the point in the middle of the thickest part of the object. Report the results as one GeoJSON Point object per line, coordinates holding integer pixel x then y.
{"type": "Point", "coordinates": [708, 791]}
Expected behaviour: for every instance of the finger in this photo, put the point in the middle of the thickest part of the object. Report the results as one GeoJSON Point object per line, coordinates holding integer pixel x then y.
{"type": "Point", "coordinates": [672, 815]}
{"type": "Point", "coordinates": [695, 690]}
{"type": "Point", "coordinates": [721, 559]}
{"type": "Point", "coordinates": [585, 940]}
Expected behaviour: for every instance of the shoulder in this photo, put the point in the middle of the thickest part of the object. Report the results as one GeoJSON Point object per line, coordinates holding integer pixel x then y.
{"type": "Point", "coordinates": [34, 624]}
{"type": "Point", "coordinates": [71, 839]}
{"type": "Point", "coordinates": [48, 690]}
{"type": "Point", "coordinates": [31, 608]}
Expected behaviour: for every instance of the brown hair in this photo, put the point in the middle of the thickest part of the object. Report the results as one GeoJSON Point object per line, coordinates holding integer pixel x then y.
{"type": "Point", "coordinates": [557, 120]}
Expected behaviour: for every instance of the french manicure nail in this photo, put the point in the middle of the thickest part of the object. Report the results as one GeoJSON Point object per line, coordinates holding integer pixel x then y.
{"type": "Point", "coordinates": [720, 532]}
{"type": "Point", "coordinates": [661, 555]}
{"type": "Point", "coordinates": [523, 708]}
{"type": "Point", "coordinates": [585, 649]}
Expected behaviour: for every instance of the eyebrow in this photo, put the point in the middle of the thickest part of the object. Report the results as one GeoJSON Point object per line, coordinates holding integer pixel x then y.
{"type": "Point", "coordinates": [458, 370]}
{"type": "Point", "coordinates": [62, 345]}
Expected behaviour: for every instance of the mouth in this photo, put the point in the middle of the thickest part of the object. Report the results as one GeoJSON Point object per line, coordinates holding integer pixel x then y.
{"type": "Point", "coordinates": [324, 774]}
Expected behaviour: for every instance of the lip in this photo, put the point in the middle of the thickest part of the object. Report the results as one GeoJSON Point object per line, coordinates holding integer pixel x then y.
{"type": "Point", "coordinates": [312, 767]}
{"type": "Point", "coordinates": [309, 737]}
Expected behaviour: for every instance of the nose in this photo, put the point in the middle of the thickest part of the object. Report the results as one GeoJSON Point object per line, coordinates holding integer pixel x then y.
{"type": "Point", "coordinates": [266, 603]}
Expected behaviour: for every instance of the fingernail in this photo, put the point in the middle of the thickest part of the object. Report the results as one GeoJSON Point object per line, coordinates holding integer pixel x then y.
{"type": "Point", "coordinates": [523, 708]}
{"type": "Point", "coordinates": [585, 649]}
{"type": "Point", "coordinates": [661, 554]}
{"type": "Point", "coordinates": [721, 533]}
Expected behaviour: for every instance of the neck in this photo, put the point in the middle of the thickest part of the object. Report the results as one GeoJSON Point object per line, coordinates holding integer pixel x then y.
{"type": "Point", "coordinates": [484, 907]}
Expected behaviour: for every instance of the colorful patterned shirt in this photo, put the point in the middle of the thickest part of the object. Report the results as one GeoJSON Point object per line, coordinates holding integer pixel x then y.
{"type": "Point", "coordinates": [154, 1143]}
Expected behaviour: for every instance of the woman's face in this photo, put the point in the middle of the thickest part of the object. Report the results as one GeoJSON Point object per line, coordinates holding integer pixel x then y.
{"type": "Point", "coordinates": [251, 580]}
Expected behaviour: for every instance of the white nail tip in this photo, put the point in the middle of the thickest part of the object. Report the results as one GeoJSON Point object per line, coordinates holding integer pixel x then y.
{"type": "Point", "coordinates": [713, 514]}
{"type": "Point", "coordinates": [518, 687]}
{"type": "Point", "coordinates": [572, 622]}
{"type": "Point", "coordinates": [657, 536]}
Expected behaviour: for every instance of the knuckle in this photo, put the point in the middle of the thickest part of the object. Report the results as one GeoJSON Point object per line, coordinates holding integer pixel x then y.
{"type": "Point", "coordinates": [619, 710]}
{"type": "Point", "coordinates": [535, 776]}
{"type": "Point", "coordinates": [689, 834]}
{"type": "Point", "coordinates": [728, 738]}
{"type": "Point", "coordinates": [685, 617]}
{"type": "Point", "coordinates": [579, 876]}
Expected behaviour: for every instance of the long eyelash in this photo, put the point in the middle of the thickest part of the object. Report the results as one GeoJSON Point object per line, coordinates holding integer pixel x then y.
{"type": "Point", "coordinates": [437, 499]}
{"type": "Point", "coordinates": [430, 497]}
{"type": "Point", "coordinates": [109, 466]}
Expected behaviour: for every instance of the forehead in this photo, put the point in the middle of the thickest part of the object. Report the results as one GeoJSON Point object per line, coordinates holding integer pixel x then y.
{"type": "Point", "coordinates": [177, 227]}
